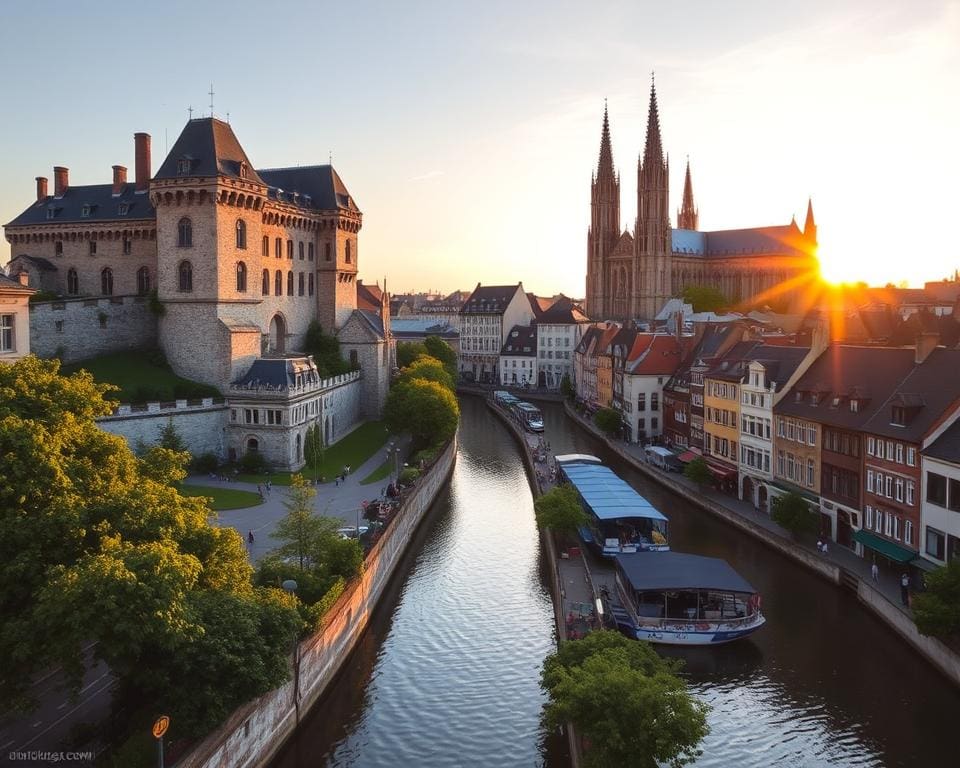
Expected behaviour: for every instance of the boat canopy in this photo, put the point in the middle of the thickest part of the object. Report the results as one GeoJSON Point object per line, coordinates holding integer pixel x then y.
{"type": "Point", "coordinates": [572, 458]}
{"type": "Point", "coordinates": [607, 496]}
{"type": "Point", "coordinates": [669, 571]}
{"type": "Point", "coordinates": [664, 452]}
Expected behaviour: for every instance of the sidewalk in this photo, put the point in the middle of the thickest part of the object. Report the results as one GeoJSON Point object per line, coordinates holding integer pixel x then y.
{"type": "Point", "coordinates": [343, 500]}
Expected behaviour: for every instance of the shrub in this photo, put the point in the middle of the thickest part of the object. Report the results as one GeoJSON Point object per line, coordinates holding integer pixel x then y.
{"type": "Point", "coordinates": [206, 463]}
{"type": "Point", "coordinates": [253, 463]}
{"type": "Point", "coordinates": [409, 475]}
{"type": "Point", "coordinates": [608, 420]}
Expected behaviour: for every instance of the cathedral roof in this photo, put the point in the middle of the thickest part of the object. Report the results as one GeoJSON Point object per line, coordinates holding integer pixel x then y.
{"type": "Point", "coordinates": [757, 241]}
{"type": "Point", "coordinates": [96, 200]}
{"type": "Point", "coordinates": [212, 148]}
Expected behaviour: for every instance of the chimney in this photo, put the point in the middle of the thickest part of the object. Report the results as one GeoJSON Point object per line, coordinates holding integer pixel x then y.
{"type": "Point", "coordinates": [24, 276]}
{"type": "Point", "coordinates": [142, 154]}
{"type": "Point", "coordinates": [119, 179]}
{"type": "Point", "coordinates": [927, 341]}
{"type": "Point", "coordinates": [41, 188]}
{"type": "Point", "coordinates": [59, 180]}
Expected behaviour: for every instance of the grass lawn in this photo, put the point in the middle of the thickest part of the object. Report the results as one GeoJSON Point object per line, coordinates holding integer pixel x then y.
{"type": "Point", "coordinates": [223, 498]}
{"type": "Point", "coordinates": [380, 473]}
{"type": "Point", "coordinates": [353, 450]}
{"type": "Point", "coordinates": [140, 378]}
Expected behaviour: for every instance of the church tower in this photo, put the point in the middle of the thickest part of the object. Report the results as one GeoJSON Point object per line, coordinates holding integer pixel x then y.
{"type": "Point", "coordinates": [688, 217]}
{"type": "Point", "coordinates": [809, 225]}
{"type": "Point", "coordinates": [604, 225]}
{"type": "Point", "coordinates": [652, 239]}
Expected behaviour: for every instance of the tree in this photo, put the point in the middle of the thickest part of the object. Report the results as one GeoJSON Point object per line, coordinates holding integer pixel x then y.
{"type": "Point", "coordinates": [624, 699]}
{"type": "Point", "coordinates": [793, 513]}
{"type": "Point", "coordinates": [559, 509]}
{"type": "Point", "coordinates": [609, 421]}
{"type": "Point", "coordinates": [301, 531]}
{"type": "Point", "coordinates": [704, 298]}
{"type": "Point", "coordinates": [438, 348]}
{"type": "Point", "coordinates": [408, 351]}
{"type": "Point", "coordinates": [937, 609]}
{"type": "Point", "coordinates": [325, 350]}
{"type": "Point", "coordinates": [567, 388]}
{"type": "Point", "coordinates": [171, 440]}
{"type": "Point", "coordinates": [429, 369]}
{"type": "Point", "coordinates": [425, 409]}
{"type": "Point", "coordinates": [313, 447]}
{"type": "Point", "coordinates": [698, 471]}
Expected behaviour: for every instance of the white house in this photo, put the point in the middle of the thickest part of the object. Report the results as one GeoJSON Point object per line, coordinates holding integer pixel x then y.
{"type": "Point", "coordinates": [518, 358]}
{"type": "Point", "coordinates": [559, 330]}
{"type": "Point", "coordinates": [940, 498]}
{"type": "Point", "coordinates": [14, 318]}
{"type": "Point", "coordinates": [485, 319]}
{"type": "Point", "coordinates": [643, 363]}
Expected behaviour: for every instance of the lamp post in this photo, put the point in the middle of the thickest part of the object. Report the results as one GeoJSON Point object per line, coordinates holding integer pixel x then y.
{"type": "Point", "coordinates": [290, 586]}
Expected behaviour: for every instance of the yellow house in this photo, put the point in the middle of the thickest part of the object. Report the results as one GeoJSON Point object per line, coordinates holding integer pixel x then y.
{"type": "Point", "coordinates": [14, 318]}
{"type": "Point", "coordinates": [721, 421]}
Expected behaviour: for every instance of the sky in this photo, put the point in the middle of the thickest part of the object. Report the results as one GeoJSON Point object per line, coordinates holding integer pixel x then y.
{"type": "Point", "coordinates": [468, 132]}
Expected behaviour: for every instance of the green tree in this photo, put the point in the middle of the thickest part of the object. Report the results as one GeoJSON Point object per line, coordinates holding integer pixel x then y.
{"type": "Point", "coordinates": [408, 351]}
{"type": "Point", "coordinates": [936, 610]}
{"type": "Point", "coordinates": [325, 350]}
{"type": "Point", "coordinates": [609, 421]}
{"type": "Point", "coordinates": [698, 471]}
{"type": "Point", "coordinates": [705, 298]}
{"type": "Point", "coordinates": [425, 409]}
{"type": "Point", "coordinates": [300, 531]}
{"type": "Point", "coordinates": [438, 348]}
{"type": "Point", "coordinates": [164, 465]}
{"type": "Point", "coordinates": [793, 513]}
{"type": "Point", "coordinates": [429, 369]}
{"type": "Point", "coordinates": [566, 387]}
{"type": "Point", "coordinates": [624, 699]}
{"type": "Point", "coordinates": [313, 447]}
{"type": "Point", "coordinates": [559, 509]}
{"type": "Point", "coordinates": [171, 439]}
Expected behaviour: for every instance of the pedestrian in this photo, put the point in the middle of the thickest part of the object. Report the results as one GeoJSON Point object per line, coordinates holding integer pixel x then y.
{"type": "Point", "coordinates": [249, 537]}
{"type": "Point", "coordinates": [824, 546]}
{"type": "Point", "coordinates": [269, 485]}
{"type": "Point", "coordinates": [905, 590]}
{"type": "Point", "coordinates": [819, 545]}
{"type": "Point", "coordinates": [875, 573]}
{"type": "Point", "coordinates": [260, 491]}
{"type": "Point", "coordinates": [337, 481]}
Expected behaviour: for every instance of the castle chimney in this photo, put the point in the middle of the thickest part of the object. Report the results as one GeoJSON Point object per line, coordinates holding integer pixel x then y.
{"type": "Point", "coordinates": [24, 277]}
{"type": "Point", "coordinates": [41, 188]}
{"type": "Point", "coordinates": [59, 180]}
{"type": "Point", "coordinates": [119, 179]}
{"type": "Point", "coordinates": [142, 144]}
{"type": "Point", "coordinates": [927, 341]}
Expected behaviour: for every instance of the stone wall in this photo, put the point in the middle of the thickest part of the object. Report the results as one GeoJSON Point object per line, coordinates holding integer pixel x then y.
{"type": "Point", "coordinates": [78, 329]}
{"type": "Point", "coordinates": [200, 423]}
{"type": "Point", "coordinates": [255, 732]}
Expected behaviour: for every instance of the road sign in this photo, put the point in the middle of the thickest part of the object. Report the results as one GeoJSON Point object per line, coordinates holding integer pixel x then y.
{"type": "Point", "coordinates": [160, 726]}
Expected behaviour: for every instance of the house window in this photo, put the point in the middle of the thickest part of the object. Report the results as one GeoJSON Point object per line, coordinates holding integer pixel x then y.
{"type": "Point", "coordinates": [898, 489]}
{"type": "Point", "coordinates": [868, 519]}
{"type": "Point", "coordinates": [106, 281]}
{"type": "Point", "coordinates": [241, 234]}
{"type": "Point", "coordinates": [143, 281]}
{"type": "Point", "coordinates": [953, 499]}
{"type": "Point", "coordinates": [878, 521]}
{"type": "Point", "coordinates": [289, 283]}
{"type": "Point", "coordinates": [278, 248]}
{"type": "Point", "coordinates": [278, 283]}
{"type": "Point", "coordinates": [870, 444]}
{"type": "Point", "coordinates": [58, 248]}
{"type": "Point", "coordinates": [85, 212]}
{"type": "Point", "coordinates": [642, 401]}
{"type": "Point", "coordinates": [896, 527]}
{"type": "Point", "coordinates": [310, 251]}
{"type": "Point", "coordinates": [185, 233]}
{"type": "Point", "coordinates": [241, 277]}
{"type": "Point", "coordinates": [326, 251]}
{"type": "Point", "coordinates": [300, 250]}
{"type": "Point", "coordinates": [185, 276]}
{"type": "Point", "coordinates": [265, 286]}
{"type": "Point", "coordinates": [907, 532]}
{"type": "Point", "coordinates": [127, 245]}
{"type": "Point", "coordinates": [73, 282]}
{"type": "Point", "coordinates": [346, 252]}
{"type": "Point", "coordinates": [265, 247]}
{"type": "Point", "coordinates": [910, 492]}
{"type": "Point", "coordinates": [289, 249]}
{"type": "Point", "coordinates": [934, 545]}
{"type": "Point", "coordinates": [354, 359]}
{"type": "Point", "coordinates": [51, 212]}
{"type": "Point", "coordinates": [911, 457]}
{"type": "Point", "coordinates": [888, 525]}
{"type": "Point", "coordinates": [810, 473]}
{"type": "Point", "coordinates": [310, 284]}
{"type": "Point", "coordinates": [936, 489]}
{"type": "Point", "coordinates": [92, 247]}
{"type": "Point", "coordinates": [300, 284]}
{"type": "Point", "coordinates": [123, 209]}
{"type": "Point", "coordinates": [888, 486]}
{"type": "Point", "coordinates": [6, 333]}
{"type": "Point", "coordinates": [183, 167]}
{"type": "Point", "coordinates": [654, 401]}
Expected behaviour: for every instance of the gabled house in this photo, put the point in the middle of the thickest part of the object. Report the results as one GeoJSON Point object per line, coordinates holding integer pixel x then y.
{"type": "Point", "coordinates": [486, 317]}
{"type": "Point", "coordinates": [518, 357]}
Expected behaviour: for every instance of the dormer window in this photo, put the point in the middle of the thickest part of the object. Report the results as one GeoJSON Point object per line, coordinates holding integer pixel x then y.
{"type": "Point", "coordinates": [898, 416]}
{"type": "Point", "coordinates": [854, 405]}
{"type": "Point", "coordinates": [51, 212]}
{"type": "Point", "coordinates": [122, 209]}
{"type": "Point", "coordinates": [85, 212]}
{"type": "Point", "coordinates": [183, 167]}
{"type": "Point", "coordinates": [836, 402]}
{"type": "Point", "coordinates": [798, 397]}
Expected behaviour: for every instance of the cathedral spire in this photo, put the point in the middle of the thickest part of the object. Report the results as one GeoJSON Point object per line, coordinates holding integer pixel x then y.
{"type": "Point", "coordinates": [605, 165]}
{"type": "Point", "coordinates": [653, 149]}
{"type": "Point", "coordinates": [688, 217]}
{"type": "Point", "coordinates": [810, 226]}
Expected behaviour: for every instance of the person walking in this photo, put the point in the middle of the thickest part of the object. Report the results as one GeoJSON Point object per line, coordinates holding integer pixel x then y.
{"type": "Point", "coordinates": [875, 573]}
{"type": "Point", "coordinates": [269, 485]}
{"type": "Point", "coordinates": [905, 590]}
{"type": "Point", "coordinates": [249, 537]}
{"type": "Point", "coordinates": [260, 491]}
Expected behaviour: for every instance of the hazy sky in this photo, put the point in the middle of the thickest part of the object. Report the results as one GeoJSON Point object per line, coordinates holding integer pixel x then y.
{"type": "Point", "coordinates": [467, 132]}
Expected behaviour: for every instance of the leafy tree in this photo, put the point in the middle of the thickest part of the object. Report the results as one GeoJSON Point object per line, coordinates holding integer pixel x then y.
{"type": "Point", "coordinates": [937, 609]}
{"type": "Point", "coordinates": [698, 471]}
{"type": "Point", "coordinates": [793, 513]}
{"type": "Point", "coordinates": [301, 531]}
{"type": "Point", "coordinates": [313, 447]}
{"type": "Point", "coordinates": [608, 420]}
{"type": "Point", "coordinates": [408, 351]}
{"type": "Point", "coordinates": [438, 348]}
{"type": "Point", "coordinates": [325, 350]}
{"type": "Point", "coordinates": [704, 298]}
{"type": "Point", "coordinates": [164, 465]}
{"type": "Point", "coordinates": [566, 387]}
{"type": "Point", "coordinates": [429, 369]}
{"type": "Point", "coordinates": [171, 439]}
{"type": "Point", "coordinates": [560, 510]}
{"type": "Point", "coordinates": [624, 699]}
{"type": "Point", "coordinates": [425, 409]}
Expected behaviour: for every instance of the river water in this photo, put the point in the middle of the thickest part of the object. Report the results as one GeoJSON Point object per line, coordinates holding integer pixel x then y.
{"type": "Point", "coordinates": [448, 673]}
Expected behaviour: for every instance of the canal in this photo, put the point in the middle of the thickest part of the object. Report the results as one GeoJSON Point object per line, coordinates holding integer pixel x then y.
{"type": "Point", "coordinates": [448, 673]}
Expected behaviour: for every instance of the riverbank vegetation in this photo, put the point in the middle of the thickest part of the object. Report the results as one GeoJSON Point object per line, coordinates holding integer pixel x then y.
{"type": "Point", "coordinates": [560, 510]}
{"type": "Point", "coordinates": [609, 421]}
{"type": "Point", "coordinates": [421, 402]}
{"type": "Point", "coordinates": [792, 512]}
{"type": "Point", "coordinates": [937, 609]}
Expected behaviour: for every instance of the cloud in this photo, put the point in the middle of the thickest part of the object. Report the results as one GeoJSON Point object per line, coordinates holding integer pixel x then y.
{"type": "Point", "coordinates": [427, 176]}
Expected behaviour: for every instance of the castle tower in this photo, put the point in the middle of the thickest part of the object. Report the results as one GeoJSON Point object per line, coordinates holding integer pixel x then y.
{"type": "Point", "coordinates": [604, 224]}
{"type": "Point", "coordinates": [652, 241]}
{"type": "Point", "coordinates": [688, 217]}
{"type": "Point", "coordinates": [338, 256]}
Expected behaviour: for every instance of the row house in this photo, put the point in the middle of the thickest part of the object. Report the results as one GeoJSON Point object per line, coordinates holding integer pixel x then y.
{"type": "Point", "coordinates": [518, 357]}
{"type": "Point", "coordinates": [722, 415]}
{"type": "Point", "coordinates": [593, 365]}
{"type": "Point", "coordinates": [676, 409]}
{"type": "Point", "coordinates": [940, 498]}
{"type": "Point", "coordinates": [559, 330]}
{"type": "Point", "coordinates": [487, 316]}
{"type": "Point", "coordinates": [642, 366]}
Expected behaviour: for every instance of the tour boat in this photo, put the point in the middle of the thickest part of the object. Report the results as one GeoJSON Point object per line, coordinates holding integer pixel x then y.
{"type": "Point", "coordinates": [681, 599]}
{"type": "Point", "coordinates": [620, 520]}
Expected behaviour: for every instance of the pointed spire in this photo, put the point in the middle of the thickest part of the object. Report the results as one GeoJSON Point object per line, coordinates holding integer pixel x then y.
{"type": "Point", "coordinates": [809, 225]}
{"type": "Point", "coordinates": [653, 149]}
{"type": "Point", "coordinates": [688, 216]}
{"type": "Point", "coordinates": [605, 165]}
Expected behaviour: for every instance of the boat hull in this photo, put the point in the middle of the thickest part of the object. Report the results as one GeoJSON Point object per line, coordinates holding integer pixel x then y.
{"type": "Point", "coordinates": [692, 636]}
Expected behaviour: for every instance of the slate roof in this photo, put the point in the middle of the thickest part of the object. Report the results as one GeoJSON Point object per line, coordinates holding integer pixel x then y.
{"type": "Point", "coordinates": [276, 374]}
{"type": "Point", "coordinates": [322, 183]}
{"type": "Point", "coordinates": [212, 148]}
{"type": "Point", "coordinates": [739, 242]}
{"type": "Point", "coordinates": [780, 362]}
{"type": "Point", "coordinates": [538, 304]}
{"type": "Point", "coordinates": [947, 446]}
{"type": "Point", "coordinates": [490, 299]}
{"type": "Point", "coordinates": [521, 342]}
{"type": "Point", "coordinates": [563, 312]}
{"type": "Point", "coordinates": [103, 206]}
{"type": "Point", "coordinates": [373, 320]}
{"type": "Point", "coordinates": [872, 374]}
{"type": "Point", "coordinates": [38, 261]}
{"type": "Point", "coordinates": [9, 284]}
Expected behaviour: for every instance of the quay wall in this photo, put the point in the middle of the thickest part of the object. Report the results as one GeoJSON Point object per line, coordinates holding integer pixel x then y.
{"type": "Point", "coordinates": [934, 651]}
{"type": "Point", "coordinates": [254, 733]}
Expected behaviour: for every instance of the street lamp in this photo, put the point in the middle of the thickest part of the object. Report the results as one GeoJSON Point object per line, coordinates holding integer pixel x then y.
{"type": "Point", "coordinates": [290, 587]}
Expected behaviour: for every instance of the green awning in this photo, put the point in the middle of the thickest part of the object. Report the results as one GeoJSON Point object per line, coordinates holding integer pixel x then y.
{"type": "Point", "coordinates": [884, 547]}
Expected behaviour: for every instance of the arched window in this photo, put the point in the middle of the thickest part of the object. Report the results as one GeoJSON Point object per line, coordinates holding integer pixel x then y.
{"type": "Point", "coordinates": [310, 251]}
{"type": "Point", "coordinates": [289, 249]}
{"type": "Point", "coordinates": [278, 283]}
{"type": "Point", "coordinates": [326, 251]}
{"type": "Point", "coordinates": [241, 234]}
{"type": "Point", "coordinates": [265, 288]}
{"type": "Point", "coordinates": [253, 445]}
{"type": "Point", "coordinates": [73, 282]}
{"type": "Point", "coordinates": [143, 281]}
{"type": "Point", "coordinates": [185, 233]}
{"type": "Point", "coordinates": [289, 283]}
{"type": "Point", "coordinates": [300, 249]}
{"type": "Point", "coordinates": [185, 276]}
{"type": "Point", "coordinates": [241, 277]}
{"type": "Point", "coordinates": [310, 283]}
{"type": "Point", "coordinates": [266, 246]}
{"type": "Point", "coordinates": [346, 251]}
{"type": "Point", "coordinates": [278, 248]}
{"type": "Point", "coordinates": [106, 281]}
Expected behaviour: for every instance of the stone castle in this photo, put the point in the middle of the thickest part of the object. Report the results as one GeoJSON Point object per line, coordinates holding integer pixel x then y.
{"type": "Point", "coordinates": [630, 276]}
{"type": "Point", "coordinates": [242, 261]}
